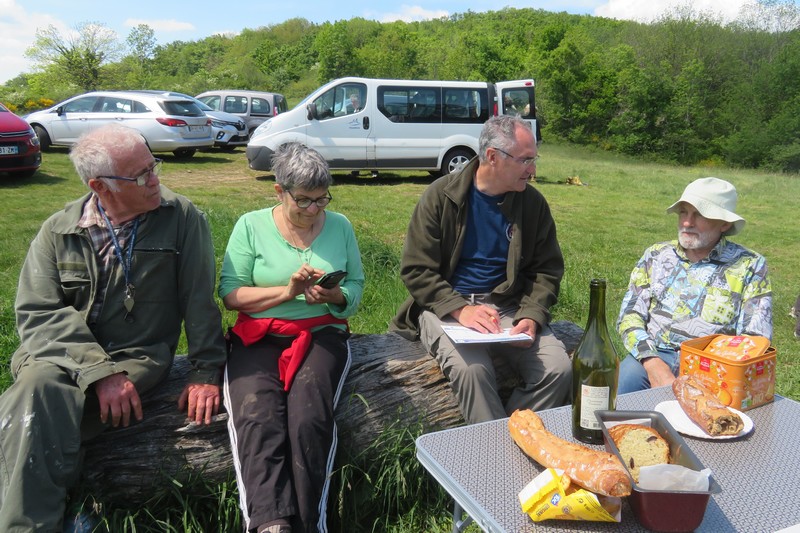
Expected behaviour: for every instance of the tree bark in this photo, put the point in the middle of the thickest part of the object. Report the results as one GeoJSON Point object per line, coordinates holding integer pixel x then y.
{"type": "Point", "coordinates": [391, 381]}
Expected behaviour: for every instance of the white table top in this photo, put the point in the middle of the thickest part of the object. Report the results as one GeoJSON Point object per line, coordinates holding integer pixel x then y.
{"type": "Point", "coordinates": [484, 470]}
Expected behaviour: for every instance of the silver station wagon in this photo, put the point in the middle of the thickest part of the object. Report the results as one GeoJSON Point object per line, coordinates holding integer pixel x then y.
{"type": "Point", "coordinates": [168, 123]}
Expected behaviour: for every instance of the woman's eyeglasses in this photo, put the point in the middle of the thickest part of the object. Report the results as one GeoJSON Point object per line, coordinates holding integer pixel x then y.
{"type": "Point", "coordinates": [305, 203]}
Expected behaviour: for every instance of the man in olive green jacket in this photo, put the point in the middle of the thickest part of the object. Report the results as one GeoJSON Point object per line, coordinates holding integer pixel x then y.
{"type": "Point", "coordinates": [99, 316]}
{"type": "Point", "coordinates": [481, 251]}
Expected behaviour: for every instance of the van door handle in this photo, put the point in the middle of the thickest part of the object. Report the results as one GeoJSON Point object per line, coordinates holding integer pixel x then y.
{"type": "Point", "coordinates": [366, 123]}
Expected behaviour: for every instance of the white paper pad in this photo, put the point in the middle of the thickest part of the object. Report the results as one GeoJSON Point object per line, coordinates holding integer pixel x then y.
{"type": "Point", "coordinates": [462, 335]}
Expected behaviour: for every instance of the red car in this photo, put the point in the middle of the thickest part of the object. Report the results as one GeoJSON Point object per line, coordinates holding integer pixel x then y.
{"type": "Point", "coordinates": [20, 155]}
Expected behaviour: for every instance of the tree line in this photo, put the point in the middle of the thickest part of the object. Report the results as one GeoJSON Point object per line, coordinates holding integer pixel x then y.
{"type": "Point", "coordinates": [685, 88]}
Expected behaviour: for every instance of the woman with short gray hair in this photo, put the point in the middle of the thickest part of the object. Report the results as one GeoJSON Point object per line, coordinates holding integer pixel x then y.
{"type": "Point", "coordinates": [289, 352]}
{"type": "Point", "coordinates": [297, 166]}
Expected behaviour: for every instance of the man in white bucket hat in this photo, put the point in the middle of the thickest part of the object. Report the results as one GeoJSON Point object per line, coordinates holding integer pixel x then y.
{"type": "Point", "coordinates": [700, 284]}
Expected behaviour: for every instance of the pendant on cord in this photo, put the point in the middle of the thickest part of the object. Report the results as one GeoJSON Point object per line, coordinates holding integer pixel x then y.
{"type": "Point", "coordinates": [128, 302]}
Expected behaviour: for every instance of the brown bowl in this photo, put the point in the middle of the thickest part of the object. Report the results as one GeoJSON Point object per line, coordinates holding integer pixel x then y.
{"type": "Point", "coordinates": [663, 510]}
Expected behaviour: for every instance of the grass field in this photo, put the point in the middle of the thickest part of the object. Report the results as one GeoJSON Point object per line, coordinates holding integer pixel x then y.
{"type": "Point", "coordinates": [603, 228]}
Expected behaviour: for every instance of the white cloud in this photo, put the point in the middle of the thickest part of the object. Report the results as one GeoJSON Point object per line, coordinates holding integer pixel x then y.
{"type": "Point", "coordinates": [17, 34]}
{"type": "Point", "coordinates": [161, 25]}
{"type": "Point", "coordinates": [411, 14]}
{"type": "Point", "coordinates": [725, 10]}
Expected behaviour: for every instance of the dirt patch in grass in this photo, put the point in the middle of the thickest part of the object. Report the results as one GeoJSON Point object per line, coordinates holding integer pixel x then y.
{"type": "Point", "coordinates": [211, 167]}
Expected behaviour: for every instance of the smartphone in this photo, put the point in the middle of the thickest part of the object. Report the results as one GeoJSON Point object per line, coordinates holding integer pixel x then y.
{"type": "Point", "coordinates": [331, 279]}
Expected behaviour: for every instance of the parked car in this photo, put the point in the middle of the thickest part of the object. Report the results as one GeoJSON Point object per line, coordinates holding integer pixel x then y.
{"type": "Point", "coordinates": [227, 130]}
{"type": "Point", "coordinates": [254, 107]}
{"type": "Point", "coordinates": [168, 123]}
{"type": "Point", "coordinates": [20, 155]}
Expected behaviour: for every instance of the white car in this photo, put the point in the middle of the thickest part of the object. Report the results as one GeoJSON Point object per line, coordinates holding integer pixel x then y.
{"type": "Point", "coordinates": [228, 130]}
{"type": "Point", "coordinates": [168, 124]}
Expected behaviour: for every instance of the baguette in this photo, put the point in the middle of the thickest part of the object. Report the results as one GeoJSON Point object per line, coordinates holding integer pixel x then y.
{"type": "Point", "coordinates": [596, 471]}
{"type": "Point", "coordinates": [704, 409]}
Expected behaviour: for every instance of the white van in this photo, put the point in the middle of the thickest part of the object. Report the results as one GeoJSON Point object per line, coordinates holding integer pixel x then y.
{"type": "Point", "coordinates": [372, 124]}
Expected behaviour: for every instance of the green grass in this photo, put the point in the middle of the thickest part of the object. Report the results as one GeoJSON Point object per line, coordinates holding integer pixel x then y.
{"type": "Point", "coordinates": [603, 229]}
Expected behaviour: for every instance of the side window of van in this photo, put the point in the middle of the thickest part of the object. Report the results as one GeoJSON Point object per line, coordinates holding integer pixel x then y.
{"type": "Point", "coordinates": [341, 100]}
{"type": "Point", "coordinates": [410, 104]}
{"type": "Point", "coordinates": [235, 104]}
{"type": "Point", "coordinates": [393, 104]}
{"type": "Point", "coordinates": [466, 106]}
{"type": "Point", "coordinates": [325, 103]}
{"type": "Point", "coordinates": [424, 106]}
{"type": "Point", "coordinates": [260, 106]}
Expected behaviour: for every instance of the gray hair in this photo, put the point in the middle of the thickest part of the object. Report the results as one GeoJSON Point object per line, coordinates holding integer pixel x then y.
{"type": "Point", "coordinates": [499, 132]}
{"type": "Point", "coordinates": [97, 151]}
{"type": "Point", "coordinates": [297, 166]}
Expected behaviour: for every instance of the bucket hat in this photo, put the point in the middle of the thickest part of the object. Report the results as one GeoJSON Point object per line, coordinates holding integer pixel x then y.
{"type": "Point", "coordinates": [714, 199]}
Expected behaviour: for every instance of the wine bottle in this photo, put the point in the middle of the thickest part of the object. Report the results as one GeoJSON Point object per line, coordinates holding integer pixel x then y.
{"type": "Point", "coordinates": [595, 370]}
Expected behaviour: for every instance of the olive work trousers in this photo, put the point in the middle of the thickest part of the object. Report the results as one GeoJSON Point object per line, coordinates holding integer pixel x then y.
{"type": "Point", "coordinates": [44, 418]}
{"type": "Point", "coordinates": [544, 369]}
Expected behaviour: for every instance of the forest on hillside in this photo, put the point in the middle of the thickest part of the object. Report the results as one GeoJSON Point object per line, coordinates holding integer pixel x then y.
{"type": "Point", "coordinates": [685, 88]}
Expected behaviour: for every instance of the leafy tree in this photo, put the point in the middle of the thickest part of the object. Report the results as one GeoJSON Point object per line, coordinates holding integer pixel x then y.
{"type": "Point", "coordinates": [142, 43]}
{"type": "Point", "coordinates": [287, 53]}
{"type": "Point", "coordinates": [337, 45]}
{"type": "Point", "coordinates": [392, 54]}
{"type": "Point", "coordinates": [80, 56]}
{"type": "Point", "coordinates": [134, 70]}
{"type": "Point", "coordinates": [640, 118]}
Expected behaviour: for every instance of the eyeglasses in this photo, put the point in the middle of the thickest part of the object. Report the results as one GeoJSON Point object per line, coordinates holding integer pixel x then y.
{"type": "Point", "coordinates": [527, 161]}
{"type": "Point", "coordinates": [142, 178]}
{"type": "Point", "coordinates": [305, 203]}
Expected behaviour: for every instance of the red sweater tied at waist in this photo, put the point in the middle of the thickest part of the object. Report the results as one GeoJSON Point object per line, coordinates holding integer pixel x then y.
{"type": "Point", "coordinates": [252, 330]}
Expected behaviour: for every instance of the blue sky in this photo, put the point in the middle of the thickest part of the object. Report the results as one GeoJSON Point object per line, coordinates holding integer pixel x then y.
{"type": "Point", "coordinates": [193, 21]}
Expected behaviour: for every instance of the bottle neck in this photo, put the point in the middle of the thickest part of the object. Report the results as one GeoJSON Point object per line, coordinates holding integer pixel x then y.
{"type": "Point", "coordinates": [597, 305]}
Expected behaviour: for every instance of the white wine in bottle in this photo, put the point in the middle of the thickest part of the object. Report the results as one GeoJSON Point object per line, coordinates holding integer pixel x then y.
{"type": "Point", "coordinates": [595, 370]}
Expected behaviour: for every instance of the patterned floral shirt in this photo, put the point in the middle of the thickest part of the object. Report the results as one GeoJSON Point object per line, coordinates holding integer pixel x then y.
{"type": "Point", "coordinates": [670, 299]}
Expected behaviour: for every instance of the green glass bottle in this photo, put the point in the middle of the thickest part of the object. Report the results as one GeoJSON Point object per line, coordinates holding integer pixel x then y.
{"type": "Point", "coordinates": [595, 370]}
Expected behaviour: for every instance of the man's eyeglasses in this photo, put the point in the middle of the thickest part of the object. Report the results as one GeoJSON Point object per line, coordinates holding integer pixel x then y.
{"type": "Point", "coordinates": [527, 161]}
{"type": "Point", "coordinates": [305, 203]}
{"type": "Point", "coordinates": [142, 178]}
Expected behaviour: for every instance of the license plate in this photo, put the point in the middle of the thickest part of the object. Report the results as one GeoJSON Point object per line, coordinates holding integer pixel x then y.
{"type": "Point", "coordinates": [9, 150]}
{"type": "Point", "coordinates": [197, 128]}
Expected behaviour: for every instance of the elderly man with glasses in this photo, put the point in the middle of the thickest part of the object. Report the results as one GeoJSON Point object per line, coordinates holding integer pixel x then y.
{"type": "Point", "coordinates": [104, 291]}
{"type": "Point", "coordinates": [481, 252]}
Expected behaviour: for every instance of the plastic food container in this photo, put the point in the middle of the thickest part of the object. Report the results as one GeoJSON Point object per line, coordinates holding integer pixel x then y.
{"type": "Point", "coordinates": [738, 384]}
{"type": "Point", "coordinates": [661, 510]}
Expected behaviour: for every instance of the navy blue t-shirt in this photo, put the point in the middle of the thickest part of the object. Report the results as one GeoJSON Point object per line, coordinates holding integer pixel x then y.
{"type": "Point", "coordinates": [482, 265]}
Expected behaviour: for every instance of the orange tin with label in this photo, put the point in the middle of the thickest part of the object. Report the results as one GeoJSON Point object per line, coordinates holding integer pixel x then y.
{"type": "Point", "coordinates": [741, 382]}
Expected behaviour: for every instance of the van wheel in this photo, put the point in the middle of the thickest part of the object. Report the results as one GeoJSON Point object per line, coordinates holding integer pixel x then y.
{"type": "Point", "coordinates": [455, 160]}
{"type": "Point", "coordinates": [184, 153]}
{"type": "Point", "coordinates": [44, 138]}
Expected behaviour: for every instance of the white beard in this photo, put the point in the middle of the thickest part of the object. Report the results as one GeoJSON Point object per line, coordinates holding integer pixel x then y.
{"type": "Point", "coordinates": [693, 240]}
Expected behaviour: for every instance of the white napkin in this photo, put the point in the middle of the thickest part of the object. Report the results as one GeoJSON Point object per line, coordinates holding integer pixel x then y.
{"type": "Point", "coordinates": [673, 477]}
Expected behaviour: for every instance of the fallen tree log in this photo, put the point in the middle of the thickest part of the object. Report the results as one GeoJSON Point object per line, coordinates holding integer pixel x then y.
{"type": "Point", "coordinates": [391, 381]}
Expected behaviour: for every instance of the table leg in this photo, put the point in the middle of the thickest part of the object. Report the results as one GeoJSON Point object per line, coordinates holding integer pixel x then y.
{"type": "Point", "coordinates": [459, 520]}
